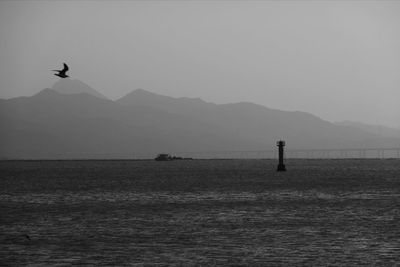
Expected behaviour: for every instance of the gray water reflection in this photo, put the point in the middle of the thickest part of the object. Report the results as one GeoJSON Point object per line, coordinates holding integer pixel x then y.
{"type": "Point", "coordinates": [172, 197]}
{"type": "Point", "coordinates": [256, 220]}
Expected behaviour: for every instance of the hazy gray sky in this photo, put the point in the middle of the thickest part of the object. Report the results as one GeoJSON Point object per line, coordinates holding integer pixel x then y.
{"type": "Point", "coordinates": [339, 60]}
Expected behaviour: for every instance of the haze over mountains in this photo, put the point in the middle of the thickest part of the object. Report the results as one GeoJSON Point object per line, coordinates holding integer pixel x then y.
{"type": "Point", "coordinates": [376, 129]}
{"type": "Point", "coordinates": [70, 86]}
{"type": "Point", "coordinates": [72, 120]}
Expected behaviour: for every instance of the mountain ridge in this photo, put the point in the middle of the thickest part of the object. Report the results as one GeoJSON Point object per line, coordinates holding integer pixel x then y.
{"type": "Point", "coordinates": [373, 128]}
{"type": "Point", "coordinates": [55, 125]}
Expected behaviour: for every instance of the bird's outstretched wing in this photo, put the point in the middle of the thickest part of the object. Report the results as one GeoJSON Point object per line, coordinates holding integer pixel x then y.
{"type": "Point", "coordinates": [65, 68]}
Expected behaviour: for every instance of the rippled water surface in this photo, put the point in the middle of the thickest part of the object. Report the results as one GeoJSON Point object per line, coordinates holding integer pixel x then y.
{"type": "Point", "coordinates": [200, 212]}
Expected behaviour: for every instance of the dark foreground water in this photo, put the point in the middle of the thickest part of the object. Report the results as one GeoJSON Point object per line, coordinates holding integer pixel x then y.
{"type": "Point", "coordinates": [215, 212]}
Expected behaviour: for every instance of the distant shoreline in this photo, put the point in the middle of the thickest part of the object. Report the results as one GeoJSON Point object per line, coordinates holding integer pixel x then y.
{"type": "Point", "coordinates": [213, 159]}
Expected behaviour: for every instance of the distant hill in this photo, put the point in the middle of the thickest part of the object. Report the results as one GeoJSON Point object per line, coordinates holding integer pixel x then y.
{"type": "Point", "coordinates": [69, 86]}
{"type": "Point", "coordinates": [140, 97]}
{"type": "Point", "coordinates": [82, 125]}
{"type": "Point", "coordinates": [375, 129]}
{"type": "Point", "coordinates": [258, 123]}
{"type": "Point", "coordinates": [52, 125]}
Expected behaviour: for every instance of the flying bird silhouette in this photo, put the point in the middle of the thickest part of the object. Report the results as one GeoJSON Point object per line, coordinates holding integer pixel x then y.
{"type": "Point", "coordinates": [61, 73]}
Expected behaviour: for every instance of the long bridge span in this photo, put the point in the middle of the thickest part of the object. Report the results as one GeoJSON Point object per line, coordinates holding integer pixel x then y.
{"type": "Point", "coordinates": [393, 152]}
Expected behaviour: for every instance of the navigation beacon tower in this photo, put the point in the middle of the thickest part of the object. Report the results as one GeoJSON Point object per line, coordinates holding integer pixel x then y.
{"type": "Point", "coordinates": [281, 166]}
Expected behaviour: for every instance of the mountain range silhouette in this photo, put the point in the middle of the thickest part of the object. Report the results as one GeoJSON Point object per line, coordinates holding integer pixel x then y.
{"type": "Point", "coordinates": [73, 120]}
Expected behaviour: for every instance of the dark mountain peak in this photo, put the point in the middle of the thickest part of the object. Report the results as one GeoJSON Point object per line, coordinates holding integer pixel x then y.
{"type": "Point", "coordinates": [144, 97]}
{"type": "Point", "coordinates": [142, 93]}
{"type": "Point", "coordinates": [51, 97]}
{"type": "Point", "coordinates": [73, 86]}
{"type": "Point", "coordinates": [140, 97]}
